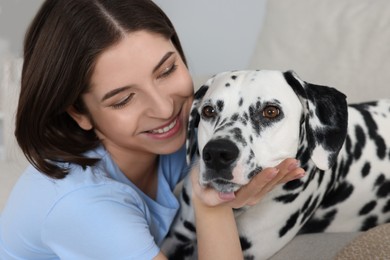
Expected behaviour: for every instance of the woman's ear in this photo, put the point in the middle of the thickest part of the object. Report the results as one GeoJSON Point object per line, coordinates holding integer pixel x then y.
{"type": "Point", "coordinates": [82, 119]}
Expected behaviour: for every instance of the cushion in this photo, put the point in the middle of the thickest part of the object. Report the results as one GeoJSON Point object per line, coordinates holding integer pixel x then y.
{"type": "Point", "coordinates": [339, 43]}
{"type": "Point", "coordinates": [372, 244]}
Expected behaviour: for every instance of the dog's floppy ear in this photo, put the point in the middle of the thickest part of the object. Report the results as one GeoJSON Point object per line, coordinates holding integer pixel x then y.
{"type": "Point", "coordinates": [193, 122]}
{"type": "Point", "coordinates": [325, 119]}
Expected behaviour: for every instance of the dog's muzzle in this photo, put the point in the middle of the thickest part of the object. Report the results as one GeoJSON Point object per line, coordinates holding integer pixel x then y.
{"type": "Point", "coordinates": [220, 157]}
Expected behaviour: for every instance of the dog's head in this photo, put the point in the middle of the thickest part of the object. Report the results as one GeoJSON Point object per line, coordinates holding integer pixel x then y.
{"type": "Point", "coordinates": [248, 120]}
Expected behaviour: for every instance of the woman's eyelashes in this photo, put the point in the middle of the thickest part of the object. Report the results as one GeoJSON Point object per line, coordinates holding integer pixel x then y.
{"type": "Point", "coordinates": [123, 102]}
{"type": "Point", "coordinates": [167, 71]}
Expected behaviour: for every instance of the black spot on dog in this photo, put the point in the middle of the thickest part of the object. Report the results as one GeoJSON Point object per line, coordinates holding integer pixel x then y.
{"type": "Point", "coordinates": [361, 142]}
{"type": "Point", "coordinates": [320, 177]}
{"type": "Point", "coordinates": [190, 226]}
{"type": "Point", "coordinates": [294, 83]}
{"type": "Point", "coordinates": [339, 194]}
{"type": "Point", "coordinates": [368, 208]}
{"type": "Point", "coordinates": [240, 102]}
{"type": "Point", "coordinates": [384, 190]}
{"type": "Point", "coordinates": [306, 204]}
{"type": "Point", "coordinates": [237, 135]}
{"type": "Point", "coordinates": [348, 145]}
{"type": "Point", "coordinates": [245, 116]}
{"type": "Point", "coordinates": [182, 238]}
{"type": "Point", "coordinates": [287, 198]}
{"type": "Point", "coordinates": [251, 155]}
{"type": "Point", "coordinates": [220, 105]}
{"type": "Point", "coordinates": [310, 176]}
{"type": "Point", "coordinates": [319, 225]}
{"type": "Point", "coordinates": [372, 128]}
{"type": "Point", "coordinates": [182, 251]}
{"type": "Point", "coordinates": [201, 92]}
{"type": "Point", "coordinates": [289, 224]}
{"type": "Point", "coordinates": [254, 172]}
{"type": "Point", "coordinates": [254, 117]}
{"type": "Point", "coordinates": [369, 222]}
{"type": "Point", "coordinates": [381, 179]}
{"type": "Point", "coordinates": [386, 208]}
{"type": "Point", "coordinates": [292, 185]}
{"type": "Point", "coordinates": [243, 120]}
{"type": "Point", "coordinates": [366, 169]}
{"type": "Point", "coordinates": [234, 77]}
{"type": "Point", "coordinates": [245, 243]}
{"type": "Point", "coordinates": [234, 117]}
{"type": "Point", "coordinates": [308, 210]}
{"type": "Point", "coordinates": [185, 196]}
{"type": "Point", "coordinates": [227, 85]}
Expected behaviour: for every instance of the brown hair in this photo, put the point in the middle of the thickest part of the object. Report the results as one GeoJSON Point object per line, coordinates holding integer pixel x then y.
{"type": "Point", "coordinates": [60, 49]}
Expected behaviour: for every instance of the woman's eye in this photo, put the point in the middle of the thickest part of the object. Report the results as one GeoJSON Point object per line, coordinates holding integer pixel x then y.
{"type": "Point", "coordinates": [123, 102]}
{"type": "Point", "coordinates": [208, 112]}
{"type": "Point", "coordinates": [271, 112]}
{"type": "Point", "coordinates": [168, 71]}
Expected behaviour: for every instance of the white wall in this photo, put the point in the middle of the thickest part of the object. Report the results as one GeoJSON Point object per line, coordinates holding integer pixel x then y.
{"type": "Point", "coordinates": [216, 35]}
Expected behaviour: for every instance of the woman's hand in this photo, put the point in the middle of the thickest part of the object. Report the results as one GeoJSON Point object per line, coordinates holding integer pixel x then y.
{"type": "Point", "coordinates": [254, 191]}
{"type": "Point", "coordinates": [216, 227]}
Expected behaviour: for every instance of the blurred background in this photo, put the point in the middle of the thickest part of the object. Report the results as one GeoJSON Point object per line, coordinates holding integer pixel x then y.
{"type": "Point", "coordinates": [216, 35]}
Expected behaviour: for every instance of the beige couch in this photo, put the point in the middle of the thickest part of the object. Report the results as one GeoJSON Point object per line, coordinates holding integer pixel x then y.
{"type": "Point", "coordinates": [340, 43]}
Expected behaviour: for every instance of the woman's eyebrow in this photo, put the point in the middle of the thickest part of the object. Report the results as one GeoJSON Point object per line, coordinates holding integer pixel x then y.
{"type": "Point", "coordinates": [161, 62]}
{"type": "Point", "coordinates": [113, 93]}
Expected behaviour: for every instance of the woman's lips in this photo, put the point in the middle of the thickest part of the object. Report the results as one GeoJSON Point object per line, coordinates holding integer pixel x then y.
{"type": "Point", "coordinates": [168, 130]}
{"type": "Point", "coordinates": [165, 129]}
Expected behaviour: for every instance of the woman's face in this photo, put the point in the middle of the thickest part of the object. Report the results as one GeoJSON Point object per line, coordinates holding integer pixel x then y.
{"type": "Point", "coordinates": [140, 96]}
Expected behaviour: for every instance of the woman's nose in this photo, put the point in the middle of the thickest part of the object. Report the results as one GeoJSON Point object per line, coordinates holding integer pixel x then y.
{"type": "Point", "coordinates": [161, 105]}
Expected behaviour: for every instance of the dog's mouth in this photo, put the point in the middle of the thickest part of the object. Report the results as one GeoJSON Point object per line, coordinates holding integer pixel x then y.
{"type": "Point", "coordinates": [223, 185]}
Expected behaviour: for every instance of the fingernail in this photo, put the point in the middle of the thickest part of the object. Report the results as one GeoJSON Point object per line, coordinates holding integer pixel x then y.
{"type": "Point", "coordinates": [294, 165]}
{"type": "Point", "coordinates": [300, 175]}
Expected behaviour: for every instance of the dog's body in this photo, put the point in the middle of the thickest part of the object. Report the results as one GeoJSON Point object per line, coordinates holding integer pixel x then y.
{"type": "Point", "coordinates": [250, 120]}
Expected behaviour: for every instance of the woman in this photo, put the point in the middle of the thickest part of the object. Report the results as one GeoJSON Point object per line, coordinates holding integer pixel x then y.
{"type": "Point", "coordinates": [102, 116]}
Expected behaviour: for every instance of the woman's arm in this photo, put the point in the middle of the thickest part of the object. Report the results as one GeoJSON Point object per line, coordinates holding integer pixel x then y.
{"type": "Point", "coordinates": [217, 233]}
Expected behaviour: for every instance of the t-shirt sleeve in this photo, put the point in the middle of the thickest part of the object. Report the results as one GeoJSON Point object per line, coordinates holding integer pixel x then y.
{"type": "Point", "coordinates": [103, 222]}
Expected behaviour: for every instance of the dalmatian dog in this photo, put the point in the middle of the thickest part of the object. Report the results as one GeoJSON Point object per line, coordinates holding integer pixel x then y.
{"type": "Point", "coordinates": [244, 121]}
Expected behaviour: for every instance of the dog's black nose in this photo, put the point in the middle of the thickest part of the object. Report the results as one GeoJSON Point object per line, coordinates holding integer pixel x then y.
{"type": "Point", "coordinates": [220, 154]}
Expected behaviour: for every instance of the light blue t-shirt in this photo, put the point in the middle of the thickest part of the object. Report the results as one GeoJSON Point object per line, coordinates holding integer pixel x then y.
{"type": "Point", "coordinates": [93, 213]}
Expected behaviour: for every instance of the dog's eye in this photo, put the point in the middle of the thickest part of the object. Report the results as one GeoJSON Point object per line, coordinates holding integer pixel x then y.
{"type": "Point", "coordinates": [208, 111]}
{"type": "Point", "coordinates": [271, 112]}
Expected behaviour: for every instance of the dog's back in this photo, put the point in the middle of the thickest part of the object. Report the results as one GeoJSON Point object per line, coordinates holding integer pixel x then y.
{"type": "Point", "coordinates": [358, 195]}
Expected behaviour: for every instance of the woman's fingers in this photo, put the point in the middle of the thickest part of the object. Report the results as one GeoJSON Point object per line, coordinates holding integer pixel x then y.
{"type": "Point", "coordinates": [254, 191]}
{"type": "Point", "coordinates": [266, 180]}
{"type": "Point", "coordinates": [289, 170]}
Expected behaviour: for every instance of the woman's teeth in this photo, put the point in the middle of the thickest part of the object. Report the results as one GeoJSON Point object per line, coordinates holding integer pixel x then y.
{"type": "Point", "coordinates": [165, 129]}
